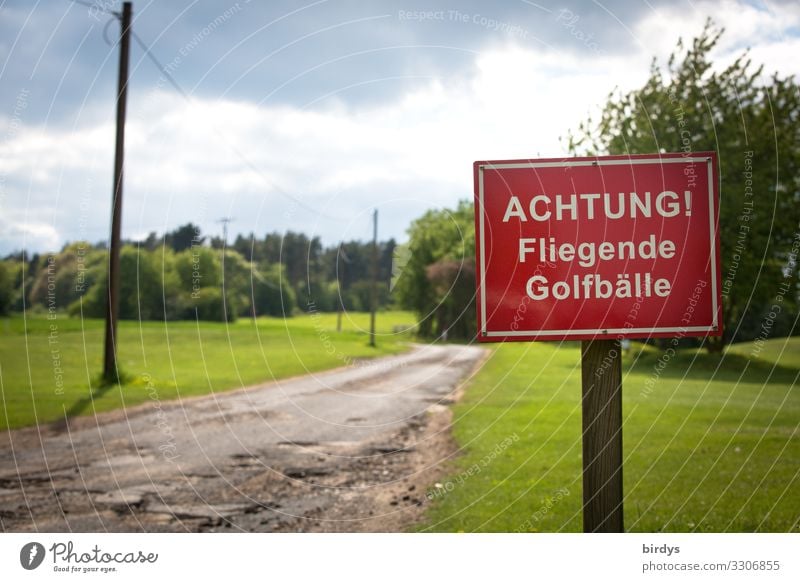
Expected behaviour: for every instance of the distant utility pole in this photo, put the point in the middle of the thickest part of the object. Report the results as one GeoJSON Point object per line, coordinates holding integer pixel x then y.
{"type": "Point", "coordinates": [110, 368]}
{"type": "Point", "coordinates": [374, 293]}
{"type": "Point", "coordinates": [224, 220]}
{"type": "Point", "coordinates": [339, 305]}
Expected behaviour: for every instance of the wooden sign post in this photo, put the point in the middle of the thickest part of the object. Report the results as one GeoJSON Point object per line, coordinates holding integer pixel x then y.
{"type": "Point", "coordinates": [598, 249]}
{"type": "Point", "coordinates": [601, 380]}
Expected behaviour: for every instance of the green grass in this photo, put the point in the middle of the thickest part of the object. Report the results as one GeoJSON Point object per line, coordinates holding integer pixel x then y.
{"type": "Point", "coordinates": [172, 360]}
{"type": "Point", "coordinates": [714, 446]}
{"type": "Point", "coordinates": [784, 350]}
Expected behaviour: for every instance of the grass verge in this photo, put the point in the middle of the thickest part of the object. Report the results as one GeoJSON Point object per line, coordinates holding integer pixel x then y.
{"type": "Point", "coordinates": [714, 446]}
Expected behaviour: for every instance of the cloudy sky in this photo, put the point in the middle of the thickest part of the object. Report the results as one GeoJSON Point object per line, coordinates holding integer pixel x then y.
{"type": "Point", "coordinates": [307, 115]}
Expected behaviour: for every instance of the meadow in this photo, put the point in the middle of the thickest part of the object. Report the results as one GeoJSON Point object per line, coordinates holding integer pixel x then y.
{"type": "Point", "coordinates": [711, 442]}
{"type": "Point", "coordinates": [50, 369]}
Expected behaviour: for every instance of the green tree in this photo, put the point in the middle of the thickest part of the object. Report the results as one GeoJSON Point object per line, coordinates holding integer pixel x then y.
{"type": "Point", "coordinates": [271, 293]}
{"type": "Point", "coordinates": [182, 237]}
{"type": "Point", "coordinates": [198, 267]}
{"type": "Point", "coordinates": [62, 278]}
{"type": "Point", "coordinates": [149, 287]}
{"type": "Point", "coordinates": [206, 305]}
{"type": "Point", "coordinates": [199, 272]}
{"type": "Point", "coordinates": [437, 278]}
{"type": "Point", "coordinates": [753, 122]}
{"type": "Point", "coordinates": [237, 272]}
{"type": "Point", "coordinates": [6, 288]}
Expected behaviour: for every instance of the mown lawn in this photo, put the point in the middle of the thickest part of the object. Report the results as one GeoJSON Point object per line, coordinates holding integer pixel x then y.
{"type": "Point", "coordinates": [47, 373]}
{"type": "Point", "coordinates": [713, 447]}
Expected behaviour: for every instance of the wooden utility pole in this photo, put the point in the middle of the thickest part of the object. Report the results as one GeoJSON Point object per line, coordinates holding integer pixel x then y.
{"type": "Point", "coordinates": [340, 299]}
{"type": "Point", "coordinates": [601, 376]}
{"type": "Point", "coordinates": [374, 290]}
{"type": "Point", "coordinates": [225, 220]}
{"type": "Point", "coordinates": [110, 368]}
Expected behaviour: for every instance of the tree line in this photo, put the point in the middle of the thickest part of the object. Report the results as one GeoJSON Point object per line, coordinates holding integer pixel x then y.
{"type": "Point", "coordinates": [185, 275]}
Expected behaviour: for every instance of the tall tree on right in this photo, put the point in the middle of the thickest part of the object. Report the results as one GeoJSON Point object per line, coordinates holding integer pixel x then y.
{"type": "Point", "coordinates": [436, 278]}
{"type": "Point", "coordinates": [753, 122]}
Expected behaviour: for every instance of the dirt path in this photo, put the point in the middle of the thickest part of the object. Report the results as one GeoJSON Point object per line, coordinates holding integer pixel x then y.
{"type": "Point", "coordinates": [353, 449]}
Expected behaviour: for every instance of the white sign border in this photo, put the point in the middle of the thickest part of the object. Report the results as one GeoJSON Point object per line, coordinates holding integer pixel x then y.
{"type": "Point", "coordinates": [600, 162]}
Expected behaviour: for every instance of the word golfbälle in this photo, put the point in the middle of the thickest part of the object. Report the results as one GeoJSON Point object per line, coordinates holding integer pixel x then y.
{"type": "Point", "coordinates": [595, 287]}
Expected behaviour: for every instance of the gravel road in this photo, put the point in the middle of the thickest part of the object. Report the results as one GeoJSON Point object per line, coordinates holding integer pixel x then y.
{"type": "Point", "coordinates": [352, 449]}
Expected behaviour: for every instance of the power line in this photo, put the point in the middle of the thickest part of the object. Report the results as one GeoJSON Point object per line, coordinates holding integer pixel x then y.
{"type": "Point", "coordinates": [161, 68]}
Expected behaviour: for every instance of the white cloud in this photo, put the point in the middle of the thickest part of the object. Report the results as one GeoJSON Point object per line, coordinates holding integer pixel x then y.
{"type": "Point", "coordinates": [32, 234]}
{"type": "Point", "coordinates": [763, 28]}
